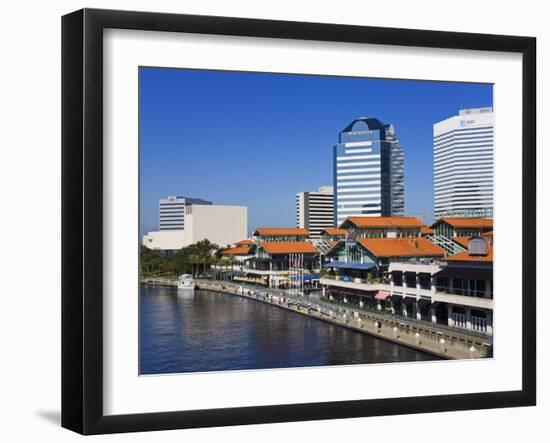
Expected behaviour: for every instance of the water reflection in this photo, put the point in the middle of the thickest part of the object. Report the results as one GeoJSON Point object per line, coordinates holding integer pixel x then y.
{"type": "Point", "coordinates": [208, 331]}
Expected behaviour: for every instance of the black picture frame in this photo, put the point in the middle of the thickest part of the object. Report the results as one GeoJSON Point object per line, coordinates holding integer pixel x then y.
{"type": "Point", "coordinates": [82, 215]}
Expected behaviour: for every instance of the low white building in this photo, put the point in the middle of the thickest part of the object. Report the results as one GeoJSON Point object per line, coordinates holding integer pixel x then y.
{"type": "Point", "coordinates": [222, 225]}
{"type": "Point", "coordinates": [165, 240]}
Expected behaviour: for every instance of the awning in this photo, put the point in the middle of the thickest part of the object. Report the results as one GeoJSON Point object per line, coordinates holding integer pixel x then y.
{"type": "Point", "coordinates": [307, 277]}
{"type": "Point", "coordinates": [344, 265]}
{"type": "Point", "coordinates": [382, 295]}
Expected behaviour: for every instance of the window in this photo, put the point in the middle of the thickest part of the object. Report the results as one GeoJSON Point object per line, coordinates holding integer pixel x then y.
{"type": "Point", "coordinates": [425, 281]}
{"type": "Point", "coordinates": [459, 286]}
{"type": "Point", "coordinates": [442, 284]}
{"type": "Point", "coordinates": [397, 278]}
{"type": "Point", "coordinates": [410, 279]}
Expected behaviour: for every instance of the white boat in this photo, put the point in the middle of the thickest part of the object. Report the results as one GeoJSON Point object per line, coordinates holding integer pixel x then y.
{"type": "Point", "coordinates": [185, 281]}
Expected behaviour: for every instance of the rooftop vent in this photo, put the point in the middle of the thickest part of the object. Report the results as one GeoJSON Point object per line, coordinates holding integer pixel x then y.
{"type": "Point", "coordinates": [477, 246]}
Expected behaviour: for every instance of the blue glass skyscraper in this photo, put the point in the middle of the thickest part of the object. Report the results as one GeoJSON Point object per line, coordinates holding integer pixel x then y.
{"type": "Point", "coordinates": [368, 171]}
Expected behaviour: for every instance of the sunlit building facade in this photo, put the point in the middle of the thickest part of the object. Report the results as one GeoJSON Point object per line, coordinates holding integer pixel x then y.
{"type": "Point", "coordinates": [463, 164]}
{"type": "Point", "coordinates": [368, 171]}
{"type": "Point", "coordinates": [172, 211]}
{"type": "Point", "coordinates": [315, 210]}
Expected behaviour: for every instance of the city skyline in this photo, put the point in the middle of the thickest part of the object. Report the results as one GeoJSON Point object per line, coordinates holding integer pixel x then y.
{"type": "Point", "coordinates": [258, 139]}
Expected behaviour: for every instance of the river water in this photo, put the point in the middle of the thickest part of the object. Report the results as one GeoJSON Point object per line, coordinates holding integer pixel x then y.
{"type": "Point", "coordinates": [209, 331]}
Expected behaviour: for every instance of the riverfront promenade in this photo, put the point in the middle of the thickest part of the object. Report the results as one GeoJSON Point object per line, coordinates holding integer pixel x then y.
{"type": "Point", "coordinates": [437, 340]}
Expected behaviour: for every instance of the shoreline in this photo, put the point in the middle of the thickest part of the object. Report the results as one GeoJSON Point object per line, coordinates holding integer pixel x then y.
{"type": "Point", "coordinates": [419, 337]}
{"type": "Point", "coordinates": [303, 310]}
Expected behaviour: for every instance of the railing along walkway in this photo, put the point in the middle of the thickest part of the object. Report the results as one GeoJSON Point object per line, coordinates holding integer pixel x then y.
{"type": "Point", "coordinates": [346, 311]}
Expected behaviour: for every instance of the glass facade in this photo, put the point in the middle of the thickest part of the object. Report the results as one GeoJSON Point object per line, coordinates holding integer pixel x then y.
{"type": "Point", "coordinates": [368, 171]}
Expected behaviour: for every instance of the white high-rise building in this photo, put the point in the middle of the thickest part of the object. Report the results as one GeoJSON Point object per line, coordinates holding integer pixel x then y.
{"type": "Point", "coordinates": [172, 211]}
{"type": "Point", "coordinates": [315, 210]}
{"type": "Point", "coordinates": [463, 164]}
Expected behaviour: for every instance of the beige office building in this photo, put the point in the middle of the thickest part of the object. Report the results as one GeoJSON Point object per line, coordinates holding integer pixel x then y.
{"type": "Point", "coordinates": [222, 225]}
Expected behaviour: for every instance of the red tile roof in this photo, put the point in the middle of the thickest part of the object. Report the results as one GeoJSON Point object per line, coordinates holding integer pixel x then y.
{"type": "Point", "coordinates": [401, 247]}
{"type": "Point", "coordinates": [237, 251]}
{"type": "Point", "coordinates": [244, 242]}
{"type": "Point", "coordinates": [281, 231]}
{"type": "Point", "coordinates": [289, 247]}
{"type": "Point", "coordinates": [466, 222]}
{"type": "Point", "coordinates": [426, 231]}
{"type": "Point", "coordinates": [334, 231]}
{"type": "Point", "coordinates": [384, 222]}
{"type": "Point", "coordinates": [464, 256]}
{"type": "Point", "coordinates": [462, 241]}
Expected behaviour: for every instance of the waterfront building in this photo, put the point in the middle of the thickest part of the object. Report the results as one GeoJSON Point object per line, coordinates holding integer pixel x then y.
{"type": "Point", "coordinates": [172, 211]}
{"type": "Point", "coordinates": [463, 164]}
{"type": "Point", "coordinates": [333, 234]}
{"type": "Point", "coordinates": [383, 227]}
{"type": "Point", "coordinates": [273, 261]}
{"type": "Point", "coordinates": [167, 241]}
{"type": "Point", "coordinates": [368, 171]}
{"type": "Point", "coordinates": [235, 258]}
{"type": "Point", "coordinates": [315, 210]}
{"type": "Point", "coordinates": [425, 231]}
{"type": "Point", "coordinates": [329, 237]}
{"type": "Point", "coordinates": [240, 249]}
{"type": "Point", "coordinates": [451, 233]}
{"type": "Point", "coordinates": [238, 255]}
{"type": "Point", "coordinates": [222, 225]}
{"type": "Point", "coordinates": [245, 242]}
{"type": "Point", "coordinates": [462, 227]}
{"type": "Point", "coordinates": [277, 256]}
{"type": "Point", "coordinates": [280, 234]}
{"type": "Point", "coordinates": [469, 276]}
{"type": "Point", "coordinates": [462, 242]}
{"type": "Point", "coordinates": [453, 293]}
{"type": "Point", "coordinates": [377, 253]}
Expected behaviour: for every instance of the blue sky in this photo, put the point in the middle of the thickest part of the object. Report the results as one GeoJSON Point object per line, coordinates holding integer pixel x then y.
{"type": "Point", "coordinates": [257, 139]}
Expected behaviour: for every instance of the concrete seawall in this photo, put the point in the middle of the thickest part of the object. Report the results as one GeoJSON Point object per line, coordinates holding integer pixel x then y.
{"type": "Point", "coordinates": [419, 336]}
{"type": "Point", "coordinates": [416, 336]}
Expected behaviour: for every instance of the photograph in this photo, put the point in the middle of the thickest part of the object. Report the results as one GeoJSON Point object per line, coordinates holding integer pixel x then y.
{"type": "Point", "coordinates": [290, 220]}
{"type": "Point", "coordinates": [258, 222]}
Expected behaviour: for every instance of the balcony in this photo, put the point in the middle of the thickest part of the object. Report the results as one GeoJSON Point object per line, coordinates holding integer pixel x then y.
{"type": "Point", "coordinates": [466, 292]}
{"type": "Point", "coordinates": [415, 266]}
{"type": "Point", "coordinates": [438, 295]}
{"type": "Point", "coordinates": [267, 271]}
{"type": "Point", "coordinates": [357, 283]}
{"type": "Point", "coordinates": [463, 300]}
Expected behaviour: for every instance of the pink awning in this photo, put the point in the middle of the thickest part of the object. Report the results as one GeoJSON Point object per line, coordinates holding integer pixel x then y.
{"type": "Point", "coordinates": [382, 295]}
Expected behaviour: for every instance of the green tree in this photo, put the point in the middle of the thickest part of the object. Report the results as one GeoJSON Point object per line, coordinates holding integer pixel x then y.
{"type": "Point", "coordinates": [189, 259]}
{"type": "Point", "coordinates": [152, 263]}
